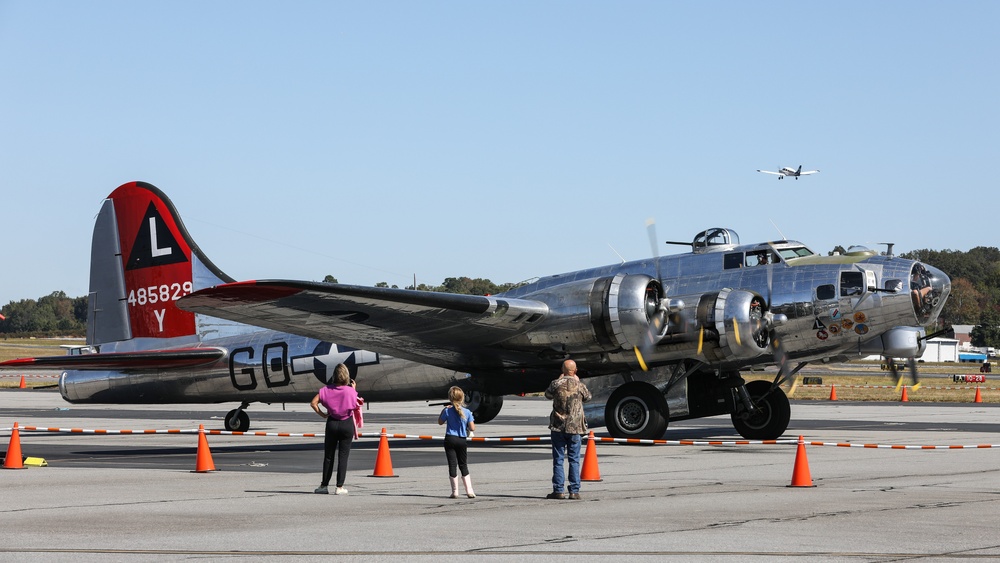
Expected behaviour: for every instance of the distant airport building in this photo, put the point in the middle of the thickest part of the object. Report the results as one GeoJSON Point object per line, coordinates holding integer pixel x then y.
{"type": "Point", "coordinates": [941, 350]}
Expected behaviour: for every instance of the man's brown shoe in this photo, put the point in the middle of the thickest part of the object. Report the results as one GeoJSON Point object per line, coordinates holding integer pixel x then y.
{"type": "Point", "coordinates": [574, 496]}
{"type": "Point", "coordinates": [559, 496]}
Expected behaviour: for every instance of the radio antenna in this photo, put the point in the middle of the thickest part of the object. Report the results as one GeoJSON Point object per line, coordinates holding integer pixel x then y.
{"type": "Point", "coordinates": [783, 237]}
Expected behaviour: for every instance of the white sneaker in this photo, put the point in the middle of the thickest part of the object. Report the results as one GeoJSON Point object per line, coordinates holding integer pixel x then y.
{"type": "Point", "coordinates": [340, 491]}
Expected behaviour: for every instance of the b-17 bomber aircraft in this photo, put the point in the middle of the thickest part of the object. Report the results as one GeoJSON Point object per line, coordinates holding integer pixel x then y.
{"type": "Point", "coordinates": [662, 339]}
{"type": "Point", "coordinates": [793, 172]}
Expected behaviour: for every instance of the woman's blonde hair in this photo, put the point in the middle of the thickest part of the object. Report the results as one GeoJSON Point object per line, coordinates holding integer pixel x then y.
{"type": "Point", "coordinates": [457, 398]}
{"type": "Point", "coordinates": [340, 375]}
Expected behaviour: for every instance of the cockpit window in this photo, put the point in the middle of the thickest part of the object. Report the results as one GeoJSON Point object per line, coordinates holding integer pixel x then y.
{"type": "Point", "coordinates": [796, 252]}
{"type": "Point", "coordinates": [761, 258]}
{"type": "Point", "coordinates": [852, 283]}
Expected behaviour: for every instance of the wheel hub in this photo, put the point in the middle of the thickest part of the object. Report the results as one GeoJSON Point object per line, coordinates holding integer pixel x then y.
{"type": "Point", "coordinates": [632, 415]}
{"type": "Point", "coordinates": [760, 417]}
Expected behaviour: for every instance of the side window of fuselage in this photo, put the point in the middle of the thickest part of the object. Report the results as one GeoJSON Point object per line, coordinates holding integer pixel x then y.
{"type": "Point", "coordinates": [851, 283]}
{"type": "Point", "coordinates": [894, 286]}
{"type": "Point", "coordinates": [826, 292]}
{"type": "Point", "coordinates": [734, 260]}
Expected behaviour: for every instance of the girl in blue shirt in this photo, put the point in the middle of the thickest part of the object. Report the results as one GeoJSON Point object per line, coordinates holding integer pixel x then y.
{"type": "Point", "coordinates": [460, 423]}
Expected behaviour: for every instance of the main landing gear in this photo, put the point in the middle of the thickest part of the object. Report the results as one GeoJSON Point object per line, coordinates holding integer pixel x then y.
{"type": "Point", "coordinates": [758, 409]}
{"type": "Point", "coordinates": [762, 411]}
{"type": "Point", "coordinates": [636, 410]}
{"type": "Point", "coordinates": [237, 420]}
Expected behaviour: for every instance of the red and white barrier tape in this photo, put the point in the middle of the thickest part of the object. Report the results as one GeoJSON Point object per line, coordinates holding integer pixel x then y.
{"type": "Point", "coordinates": [526, 439]}
{"type": "Point", "coordinates": [910, 387]}
{"type": "Point", "coordinates": [903, 447]}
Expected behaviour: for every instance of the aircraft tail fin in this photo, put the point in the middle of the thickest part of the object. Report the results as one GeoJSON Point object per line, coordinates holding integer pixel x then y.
{"type": "Point", "coordinates": [799, 171]}
{"type": "Point", "coordinates": [142, 261]}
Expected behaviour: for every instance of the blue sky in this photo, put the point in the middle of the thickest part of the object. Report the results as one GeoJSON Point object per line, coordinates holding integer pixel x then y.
{"type": "Point", "coordinates": [376, 141]}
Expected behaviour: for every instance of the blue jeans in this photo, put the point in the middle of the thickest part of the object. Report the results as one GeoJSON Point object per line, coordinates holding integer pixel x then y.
{"type": "Point", "coordinates": [563, 446]}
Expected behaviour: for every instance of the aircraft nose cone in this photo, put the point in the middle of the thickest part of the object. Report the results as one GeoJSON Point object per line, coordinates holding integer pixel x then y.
{"type": "Point", "coordinates": [929, 289]}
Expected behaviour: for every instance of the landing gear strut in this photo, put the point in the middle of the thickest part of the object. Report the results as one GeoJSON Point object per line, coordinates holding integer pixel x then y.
{"type": "Point", "coordinates": [768, 417]}
{"type": "Point", "coordinates": [237, 420]}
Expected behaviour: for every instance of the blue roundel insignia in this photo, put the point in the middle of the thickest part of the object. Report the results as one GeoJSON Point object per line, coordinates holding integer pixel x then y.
{"type": "Point", "coordinates": [861, 328]}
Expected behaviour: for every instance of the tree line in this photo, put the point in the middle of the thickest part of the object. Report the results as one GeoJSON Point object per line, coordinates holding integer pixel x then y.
{"type": "Point", "coordinates": [975, 298]}
{"type": "Point", "coordinates": [52, 315]}
{"type": "Point", "coordinates": [463, 285]}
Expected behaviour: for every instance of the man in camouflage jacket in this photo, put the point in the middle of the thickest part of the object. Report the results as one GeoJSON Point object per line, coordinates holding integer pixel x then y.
{"type": "Point", "coordinates": [568, 424]}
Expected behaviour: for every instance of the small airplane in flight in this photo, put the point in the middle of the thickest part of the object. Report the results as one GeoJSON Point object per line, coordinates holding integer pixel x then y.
{"type": "Point", "coordinates": [660, 339]}
{"type": "Point", "coordinates": [790, 172]}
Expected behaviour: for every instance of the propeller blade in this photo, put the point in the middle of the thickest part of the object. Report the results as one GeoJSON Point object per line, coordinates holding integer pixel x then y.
{"type": "Point", "coordinates": [654, 247]}
{"type": "Point", "coordinates": [649, 342]}
{"type": "Point", "coordinates": [659, 318]}
{"type": "Point", "coordinates": [913, 374]}
{"type": "Point", "coordinates": [642, 362]}
{"type": "Point", "coordinates": [781, 360]}
{"type": "Point", "coordinates": [895, 374]}
{"type": "Point", "coordinates": [770, 282]}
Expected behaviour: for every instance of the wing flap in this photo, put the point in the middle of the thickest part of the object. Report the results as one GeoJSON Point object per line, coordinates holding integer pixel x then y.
{"type": "Point", "coordinates": [438, 328]}
{"type": "Point", "coordinates": [147, 359]}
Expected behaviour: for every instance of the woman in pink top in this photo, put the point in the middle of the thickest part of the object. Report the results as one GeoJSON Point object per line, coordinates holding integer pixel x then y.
{"type": "Point", "coordinates": [340, 400]}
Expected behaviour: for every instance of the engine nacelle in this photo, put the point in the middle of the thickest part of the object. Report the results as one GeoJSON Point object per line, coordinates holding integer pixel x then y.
{"type": "Point", "coordinates": [613, 313]}
{"type": "Point", "coordinates": [604, 314]}
{"type": "Point", "coordinates": [730, 324]}
{"type": "Point", "coordinates": [740, 323]}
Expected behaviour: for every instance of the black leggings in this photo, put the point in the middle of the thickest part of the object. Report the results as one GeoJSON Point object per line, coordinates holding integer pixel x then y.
{"type": "Point", "coordinates": [457, 450]}
{"type": "Point", "coordinates": [339, 435]}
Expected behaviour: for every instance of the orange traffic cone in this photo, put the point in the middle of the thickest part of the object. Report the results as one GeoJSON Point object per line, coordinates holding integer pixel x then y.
{"type": "Point", "coordinates": [22, 385]}
{"type": "Point", "coordinates": [383, 461]}
{"type": "Point", "coordinates": [590, 471]}
{"type": "Point", "coordinates": [204, 462]}
{"type": "Point", "coordinates": [979, 396]}
{"type": "Point", "coordinates": [833, 392]}
{"type": "Point", "coordinates": [13, 458]}
{"type": "Point", "coordinates": [904, 398]}
{"type": "Point", "coordinates": [800, 473]}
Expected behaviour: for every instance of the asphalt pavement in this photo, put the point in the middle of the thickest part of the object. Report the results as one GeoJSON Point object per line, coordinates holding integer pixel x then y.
{"type": "Point", "coordinates": [111, 496]}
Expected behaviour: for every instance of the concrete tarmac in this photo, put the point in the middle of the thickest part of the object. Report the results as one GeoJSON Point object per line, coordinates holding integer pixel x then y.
{"type": "Point", "coordinates": [135, 497]}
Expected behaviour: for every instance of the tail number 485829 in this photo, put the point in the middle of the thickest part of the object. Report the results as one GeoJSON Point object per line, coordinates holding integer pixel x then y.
{"type": "Point", "coordinates": [158, 293]}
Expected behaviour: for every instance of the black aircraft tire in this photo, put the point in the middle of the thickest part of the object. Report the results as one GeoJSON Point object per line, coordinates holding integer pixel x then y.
{"type": "Point", "coordinates": [636, 410]}
{"type": "Point", "coordinates": [237, 421]}
{"type": "Point", "coordinates": [775, 412]}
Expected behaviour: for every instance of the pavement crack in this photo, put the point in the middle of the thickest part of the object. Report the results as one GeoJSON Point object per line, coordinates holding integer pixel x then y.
{"type": "Point", "coordinates": [109, 504]}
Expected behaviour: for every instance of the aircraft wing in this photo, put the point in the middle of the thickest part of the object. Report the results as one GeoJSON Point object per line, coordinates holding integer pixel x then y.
{"type": "Point", "coordinates": [147, 359]}
{"type": "Point", "coordinates": [769, 172]}
{"type": "Point", "coordinates": [808, 172]}
{"type": "Point", "coordinates": [443, 329]}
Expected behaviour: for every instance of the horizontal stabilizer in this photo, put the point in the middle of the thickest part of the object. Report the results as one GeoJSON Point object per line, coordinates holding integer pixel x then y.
{"type": "Point", "coordinates": [147, 359]}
